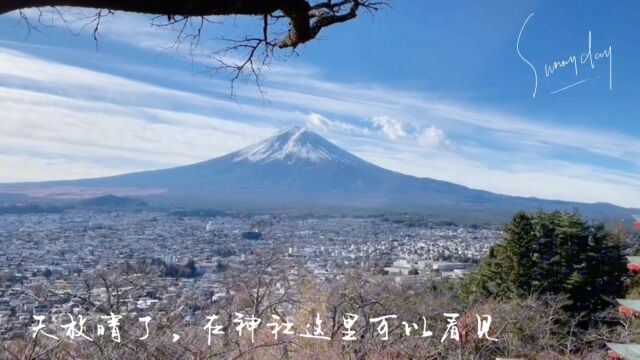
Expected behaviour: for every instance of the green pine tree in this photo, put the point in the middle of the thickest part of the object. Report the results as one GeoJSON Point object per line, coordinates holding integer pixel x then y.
{"type": "Point", "coordinates": [554, 253]}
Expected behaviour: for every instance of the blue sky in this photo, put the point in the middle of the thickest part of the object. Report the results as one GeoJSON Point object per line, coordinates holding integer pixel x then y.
{"type": "Point", "coordinates": [434, 89]}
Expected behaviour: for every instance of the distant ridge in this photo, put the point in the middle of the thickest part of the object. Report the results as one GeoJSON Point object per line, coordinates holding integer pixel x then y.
{"type": "Point", "coordinates": [301, 170]}
{"type": "Point", "coordinates": [112, 201]}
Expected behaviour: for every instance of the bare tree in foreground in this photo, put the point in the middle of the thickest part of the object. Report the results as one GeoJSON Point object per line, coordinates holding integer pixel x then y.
{"type": "Point", "coordinates": [282, 24]}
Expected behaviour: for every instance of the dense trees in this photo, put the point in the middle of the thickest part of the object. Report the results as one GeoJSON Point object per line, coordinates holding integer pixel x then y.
{"type": "Point", "coordinates": [550, 271]}
{"type": "Point", "coordinates": [555, 253]}
{"type": "Point", "coordinates": [187, 270]}
{"type": "Point", "coordinates": [525, 328]}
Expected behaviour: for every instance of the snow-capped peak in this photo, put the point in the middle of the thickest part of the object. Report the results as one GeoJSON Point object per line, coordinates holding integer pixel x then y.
{"type": "Point", "coordinates": [293, 145]}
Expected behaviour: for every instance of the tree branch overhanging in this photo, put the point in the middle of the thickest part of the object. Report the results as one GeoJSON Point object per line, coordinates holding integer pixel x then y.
{"type": "Point", "coordinates": [306, 19]}
{"type": "Point", "coordinates": [283, 24]}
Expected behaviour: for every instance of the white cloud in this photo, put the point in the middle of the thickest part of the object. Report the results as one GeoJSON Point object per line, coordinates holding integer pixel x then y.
{"type": "Point", "coordinates": [323, 124]}
{"type": "Point", "coordinates": [544, 179]}
{"type": "Point", "coordinates": [391, 128]}
{"type": "Point", "coordinates": [433, 138]}
{"type": "Point", "coordinates": [368, 101]}
{"type": "Point", "coordinates": [52, 167]}
{"type": "Point", "coordinates": [153, 33]}
{"type": "Point", "coordinates": [318, 122]}
{"type": "Point", "coordinates": [108, 132]}
{"type": "Point", "coordinates": [106, 124]}
{"type": "Point", "coordinates": [128, 28]}
{"type": "Point", "coordinates": [64, 121]}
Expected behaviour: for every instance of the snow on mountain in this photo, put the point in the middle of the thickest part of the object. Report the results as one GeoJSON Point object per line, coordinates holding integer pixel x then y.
{"type": "Point", "coordinates": [302, 170]}
{"type": "Point", "coordinates": [291, 146]}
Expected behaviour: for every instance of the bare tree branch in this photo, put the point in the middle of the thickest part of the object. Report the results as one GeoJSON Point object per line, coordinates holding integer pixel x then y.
{"type": "Point", "coordinates": [306, 20]}
{"type": "Point", "coordinates": [188, 17]}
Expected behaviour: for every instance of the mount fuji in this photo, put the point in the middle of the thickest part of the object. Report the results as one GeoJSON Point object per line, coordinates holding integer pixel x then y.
{"type": "Point", "coordinates": [299, 169]}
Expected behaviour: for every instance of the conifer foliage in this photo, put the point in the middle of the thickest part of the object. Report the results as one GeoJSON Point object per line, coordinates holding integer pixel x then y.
{"type": "Point", "coordinates": [555, 253]}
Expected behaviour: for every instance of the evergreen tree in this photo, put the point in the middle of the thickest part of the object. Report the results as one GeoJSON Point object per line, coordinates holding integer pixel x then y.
{"type": "Point", "coordinates": [554, 253]}
{"type": "Point", "coordinates": [519, 241]}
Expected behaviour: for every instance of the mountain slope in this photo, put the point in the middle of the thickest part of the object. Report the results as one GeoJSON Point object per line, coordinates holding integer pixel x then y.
{"type": "Point", "coordinates": [301, 169]}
